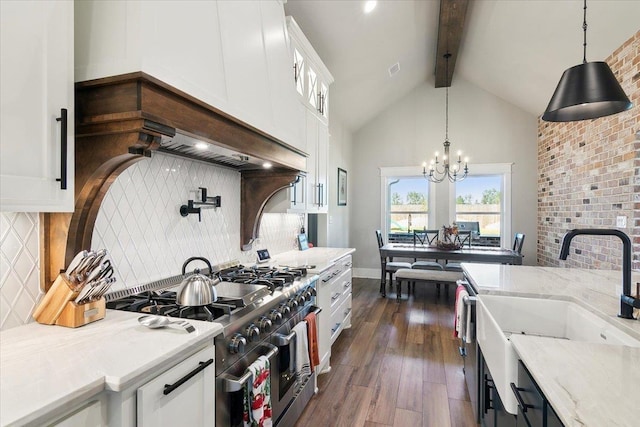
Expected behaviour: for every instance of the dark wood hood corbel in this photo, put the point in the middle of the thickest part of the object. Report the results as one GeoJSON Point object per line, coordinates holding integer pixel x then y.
{"type": "Point", "coordinates": [123, 119]}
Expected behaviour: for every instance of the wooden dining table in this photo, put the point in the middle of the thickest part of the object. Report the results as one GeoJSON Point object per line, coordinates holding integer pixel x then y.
{"type": "Point", "coordinates": [466, 254]}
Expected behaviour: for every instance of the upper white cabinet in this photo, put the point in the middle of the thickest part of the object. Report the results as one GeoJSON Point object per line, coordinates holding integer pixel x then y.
{"type": "Point", "coordinates": [233, 55]}
{"type": "Point", "coordinates": [311, 77]}
{"type": "Point", "coordinates": [36, 112]}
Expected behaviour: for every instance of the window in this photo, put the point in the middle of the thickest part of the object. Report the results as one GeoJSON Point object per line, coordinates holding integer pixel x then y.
{"type": "Point", "coordinates": [406, 203]}
{"type": "Point", "coordinates": [482, 203]}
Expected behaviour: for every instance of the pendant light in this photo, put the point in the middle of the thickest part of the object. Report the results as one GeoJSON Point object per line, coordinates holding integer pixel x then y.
{"type": "Point", "coordinates": [586, 91]}
{"type": "Point", "coordinates": [453, 172]}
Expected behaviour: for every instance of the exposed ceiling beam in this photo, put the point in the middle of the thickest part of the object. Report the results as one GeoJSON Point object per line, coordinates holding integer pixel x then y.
{"type": "Point", "coordinates": [450, 26]}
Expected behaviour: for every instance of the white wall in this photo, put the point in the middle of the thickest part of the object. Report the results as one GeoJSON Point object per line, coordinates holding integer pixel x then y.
{"type": "Point", "coordinates": [340, 142]}
{"type": "Point", "coordinates": [486, 128]}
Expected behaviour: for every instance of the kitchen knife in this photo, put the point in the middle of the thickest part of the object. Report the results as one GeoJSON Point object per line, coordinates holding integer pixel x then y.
{"type": "Point", "coordinates": [75, 263]}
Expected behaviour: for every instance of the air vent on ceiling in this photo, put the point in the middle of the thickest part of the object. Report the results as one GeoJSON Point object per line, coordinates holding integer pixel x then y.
{"type": "Point", "coordinates": [393, 70]}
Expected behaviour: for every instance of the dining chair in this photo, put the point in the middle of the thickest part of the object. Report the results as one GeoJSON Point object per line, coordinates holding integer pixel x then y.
{"type": "Point", "coordinates": [391, 266]}
{"type": "Point", "coordinates": [463, 238]}
{"type": "Point", "coordinates": [426, 237]}
{"type": "Point", "coordinates": [518, 241]}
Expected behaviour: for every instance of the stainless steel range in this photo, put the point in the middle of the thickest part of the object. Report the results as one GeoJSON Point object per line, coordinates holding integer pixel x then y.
{"type": "Point", "coordinates": [258, 308]}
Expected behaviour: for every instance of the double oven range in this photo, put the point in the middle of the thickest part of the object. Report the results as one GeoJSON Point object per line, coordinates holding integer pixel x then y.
{"type": "Point", "coordinates": [258, 308]}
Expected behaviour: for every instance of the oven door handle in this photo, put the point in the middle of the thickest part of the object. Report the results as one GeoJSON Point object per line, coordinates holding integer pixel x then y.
{"type": "Point", "coordinates": [282, 340]}
{"type": "Point", "coordinates": [231, 384]}
{"type": "Point", "coordinates": [469, 300]}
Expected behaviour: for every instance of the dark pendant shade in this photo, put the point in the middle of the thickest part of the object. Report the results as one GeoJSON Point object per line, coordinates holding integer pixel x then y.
{"type": "Point", "coordinates": [586, 91]}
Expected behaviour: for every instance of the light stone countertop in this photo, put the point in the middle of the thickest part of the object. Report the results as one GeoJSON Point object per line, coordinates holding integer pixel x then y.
{"type": "Point", "coordinates": [587, 384]}
{"type": "Point", "coordinates": [43, 367]}
{"type": "Point", "coordinates": [322, 258]}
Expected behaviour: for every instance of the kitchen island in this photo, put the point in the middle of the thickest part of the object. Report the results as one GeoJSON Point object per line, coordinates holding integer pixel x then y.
{"type": "Point", "coordinates": [49, 370]}
{"type": "Point", "coordinates": [586, 384]}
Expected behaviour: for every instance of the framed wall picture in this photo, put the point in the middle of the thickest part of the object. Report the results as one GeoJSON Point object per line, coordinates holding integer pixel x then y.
{"type": "Point", "coordinates": [342, 187]}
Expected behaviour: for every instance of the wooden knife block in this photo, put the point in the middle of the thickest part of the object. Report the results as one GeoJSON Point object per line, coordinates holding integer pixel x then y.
{"type": "Point", "coordinates": [57, 306]}
{"type": "Point", "coordinates": [74, 315]}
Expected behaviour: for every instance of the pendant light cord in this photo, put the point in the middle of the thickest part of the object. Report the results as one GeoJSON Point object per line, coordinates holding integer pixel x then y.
{"type": "Point", "coordinates": [584, 28]}
{"type": "Point", "coordinates": [446, 120]}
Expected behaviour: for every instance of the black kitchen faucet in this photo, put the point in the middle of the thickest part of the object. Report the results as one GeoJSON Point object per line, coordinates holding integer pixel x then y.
{"type": "Point", "coordinates": [627, 301]}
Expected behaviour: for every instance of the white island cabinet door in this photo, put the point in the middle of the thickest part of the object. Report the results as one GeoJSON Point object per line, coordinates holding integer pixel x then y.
{"type": "Point", "coordinates": [36, 86]}
{"type": "Point", "coordinates": [182, 396]}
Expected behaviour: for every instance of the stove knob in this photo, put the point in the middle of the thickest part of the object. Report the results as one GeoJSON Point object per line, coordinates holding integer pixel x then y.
{"type": "Point", "coordinates": [292, 304]}
{"type": "Point", "coordinates": [310, 293]}
{"type": "Point", "coordinates": [275, 316]}
{"type": "Point", "coordinates": [237, 344]}
{"type": "Point", "coordinates": [253, 333]}
{"type": "Point", "coordinates": [301, 298]}
{"type": "Point", "coordinates": [284, 310]}
{"type": "Point", "coordinates": [265, 324]}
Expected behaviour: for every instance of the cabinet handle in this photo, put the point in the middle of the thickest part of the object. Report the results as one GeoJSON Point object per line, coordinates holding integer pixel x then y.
{"type": "Point", "coordinates": [333, 330]}
{"type": "Point", "coordinates": [168, 388]}
{"type": "Point", "coordinates": [295, 72]}
{"type": "Point", "coordinates": [335, 296]}
{"type": "Point", "coordinates": [488, 386]}
{"type": "Point", "coordinates": [347, 284]}
{"type": "Point", "coordinates": [63, 148]}
{"type": "Point", "coordinates": [347, 311]}
{"type": "Point", "coordinates": [516, 391]}
{"type": "Point", "coordinates": [295, 195]}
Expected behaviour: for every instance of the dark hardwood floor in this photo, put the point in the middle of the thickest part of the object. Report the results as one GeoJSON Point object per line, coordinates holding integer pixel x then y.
{"type": "Point", "coordinates": [397, 366]}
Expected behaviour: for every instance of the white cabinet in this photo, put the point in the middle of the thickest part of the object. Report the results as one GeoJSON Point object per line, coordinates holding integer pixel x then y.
{"type": "Point", "coordinates": [311, 77]}
{"type": "Point", "coordinates": [317, 164]}
{"type": "Point", "coordinates": [36, 93]}
{"type": "Point", "coordinates": [334, 297]}
{"type": "Point", "coordinates": [233, 55]}
{"type": "Point", "coordinates": [92, 413]}
{"type": "Point", "coordinates": [183, 395]}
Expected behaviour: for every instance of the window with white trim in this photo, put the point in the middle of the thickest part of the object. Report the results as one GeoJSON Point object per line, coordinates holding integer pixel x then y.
{"type": "Point", "coordinates": [406, 203]}
{"type": "Point", "coordinates": [482, 203]}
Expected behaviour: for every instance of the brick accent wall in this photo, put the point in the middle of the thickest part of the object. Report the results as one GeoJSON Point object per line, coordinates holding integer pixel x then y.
{"type": "Point", "coordinates": [589, 173]}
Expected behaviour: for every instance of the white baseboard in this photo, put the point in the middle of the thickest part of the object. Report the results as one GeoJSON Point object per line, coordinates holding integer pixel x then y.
{"type": "Point", "coordinates": [366, 273]}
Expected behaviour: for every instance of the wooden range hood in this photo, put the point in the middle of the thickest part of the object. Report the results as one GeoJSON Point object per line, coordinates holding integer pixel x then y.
{"type": "Point", "coordinates": [121, 120]}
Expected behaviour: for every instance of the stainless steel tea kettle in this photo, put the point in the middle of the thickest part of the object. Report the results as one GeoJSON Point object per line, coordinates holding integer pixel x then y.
{"type": "Point", "coordinates": [197, 289]}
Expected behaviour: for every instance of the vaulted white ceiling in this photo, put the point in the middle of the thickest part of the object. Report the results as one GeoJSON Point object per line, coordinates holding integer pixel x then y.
{"type": "Point", "coordinates": [515, 49]}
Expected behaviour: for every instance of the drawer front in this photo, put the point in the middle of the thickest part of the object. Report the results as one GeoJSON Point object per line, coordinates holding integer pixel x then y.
{"type": "Point", "coordinates": [340, 317]}
{"type": "Point", "coordinates": [337, 288]}
{"type": "Point", "coordinates": [182, 395]}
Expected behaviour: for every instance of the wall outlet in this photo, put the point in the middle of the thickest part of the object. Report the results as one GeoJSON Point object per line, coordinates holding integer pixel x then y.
{"type": "Point", "coordinates": [621, 221]}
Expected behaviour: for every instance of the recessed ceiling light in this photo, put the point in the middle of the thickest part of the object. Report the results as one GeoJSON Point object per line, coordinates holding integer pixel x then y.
{"type": "Point", "coordinates": [369, 6]}
{"type": "Point", "coordinates": [201, 145]}
{"type": "Point", "coordinates": [267, 165]}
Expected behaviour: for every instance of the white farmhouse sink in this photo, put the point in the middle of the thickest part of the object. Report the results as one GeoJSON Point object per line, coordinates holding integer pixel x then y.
{"type": "Point", "coordinates": [498, 317]}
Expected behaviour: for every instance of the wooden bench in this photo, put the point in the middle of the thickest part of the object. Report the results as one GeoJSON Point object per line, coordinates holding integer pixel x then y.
{"type": "Point", "coordinates": [435, 276]}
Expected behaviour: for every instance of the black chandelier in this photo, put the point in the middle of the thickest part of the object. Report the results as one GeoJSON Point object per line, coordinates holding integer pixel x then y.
{"type": "Point", "coordinates": [586, 91]}
{"type": "Point", "coordinates": [438, 171]}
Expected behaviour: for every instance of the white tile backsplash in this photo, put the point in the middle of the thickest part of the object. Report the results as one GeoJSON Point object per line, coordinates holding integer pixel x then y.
{"type": "Point", "coordinates": [140, 224]}
{"type": "Point", "coordinates": [19, 267]}
{"type": "Point", "coordinates": [147, 238]}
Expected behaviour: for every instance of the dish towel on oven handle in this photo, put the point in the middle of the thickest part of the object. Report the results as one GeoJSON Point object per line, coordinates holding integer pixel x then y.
{"type": "Point", "coordinates": [462, 315]}
{"type": "Point", "coordinates": [302, 351]}
{"type": "Point", "coordinates": [312, 335]}
{"type": "Point", "coordinates": [257, 395]}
